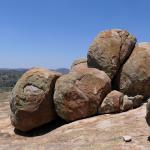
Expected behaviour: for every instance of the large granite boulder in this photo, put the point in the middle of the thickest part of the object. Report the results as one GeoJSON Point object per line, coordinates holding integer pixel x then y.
{"type": "Point", "coordinates": [110, 49]}
{"type": "Point", "coordinates": [134, 78]}
{"type": "Point", "coordinates": [32, 99]}
{"type": "Point", "coordinates": [78, 95]}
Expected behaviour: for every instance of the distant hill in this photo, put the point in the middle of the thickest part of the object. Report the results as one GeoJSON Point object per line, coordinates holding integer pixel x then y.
{"type": "Point", "coordinates": [9, 77]}
{"type": "Point", "coordinates": [62, 70]}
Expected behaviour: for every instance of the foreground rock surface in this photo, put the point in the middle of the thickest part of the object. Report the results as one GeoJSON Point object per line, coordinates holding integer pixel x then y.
{"type": "Point", "coordinates": [134, 78]}
{"type": "Point", "coordinates": [32, 99]}
{"type": "Point", "coordinates": [110, 49]}
{"type": "Point", "coordinates": [101, 132]}
{"type": "Point", "coordinates": [78, 94]}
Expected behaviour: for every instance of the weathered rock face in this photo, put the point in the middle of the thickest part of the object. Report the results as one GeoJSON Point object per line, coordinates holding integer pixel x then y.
{"type": "Point", "coordinates": [110, 49]}
{"type": "Point", "coordinates": [32, 99]}
{"type": "Point", "coordinates": [79, 65]}
{"type": "Point", "coordinates": [78, 95]}
{"type": "Point", "coordinates": [116, 102]}
{"type": "Point", "coordinates": [134, 78]}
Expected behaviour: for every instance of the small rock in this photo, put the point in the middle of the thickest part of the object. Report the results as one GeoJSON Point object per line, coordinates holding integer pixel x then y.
{"type": "Point", "coordinates": [127, 138]}
{"type": "Point", "coordinates": [111, 103]}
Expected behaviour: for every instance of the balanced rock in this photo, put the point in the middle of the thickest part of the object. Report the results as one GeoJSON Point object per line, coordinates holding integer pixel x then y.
{"type": "Point", "coordinates": [78, 95]}
{"type": "Point", "coordinates": [32, 99]}
{"type": "Point", "coordinates": [110, 49]}
{"type": "Point", "coordinates": [134, 78]}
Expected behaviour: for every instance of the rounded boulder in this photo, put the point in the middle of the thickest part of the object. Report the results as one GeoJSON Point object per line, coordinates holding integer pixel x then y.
{"type": "Point", "coordinates": [78, 95]}
{"type": "Point", "coordinates": [109, 50]}
{"type": "Point", "coordinates": [32, 99]}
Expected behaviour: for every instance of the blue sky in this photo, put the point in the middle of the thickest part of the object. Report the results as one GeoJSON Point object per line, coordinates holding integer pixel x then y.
{"type": "Point", "coordinates": [52, 33]}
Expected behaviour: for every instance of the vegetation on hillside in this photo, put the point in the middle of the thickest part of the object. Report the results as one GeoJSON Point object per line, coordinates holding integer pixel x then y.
{"type": "Point", "coordinates": [8, 78]}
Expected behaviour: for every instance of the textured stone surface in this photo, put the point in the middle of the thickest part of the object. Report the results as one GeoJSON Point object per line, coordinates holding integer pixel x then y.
{"type": "Point", "coordinates": [32, 99]}
{"type": "Point", "coordinates": [110, 49]}
{"type": "Point", "coordinates": [78, 95]}
{"type": "Point", "coordinates": [103, 132]}
{"type": "Point", "coordinates": [134, 78]}
{"type": "Point", "coordinates": [111, 103]}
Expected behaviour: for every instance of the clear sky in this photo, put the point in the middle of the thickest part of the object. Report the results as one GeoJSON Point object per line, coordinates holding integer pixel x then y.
{"type": "Point", "coordinates": [52, 33]}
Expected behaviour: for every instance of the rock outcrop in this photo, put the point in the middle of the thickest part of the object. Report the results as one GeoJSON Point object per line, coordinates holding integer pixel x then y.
{"type": "Point", "coordinates": [113, 58]}
{"type": "Point", "coordinates": [78, 94]}
{"type": "Point", "coordinates": [134, 78]}
{"type": "Point", "coordinates": [110, 49]}
{"type": "Point", "coordinates": [32, 99]}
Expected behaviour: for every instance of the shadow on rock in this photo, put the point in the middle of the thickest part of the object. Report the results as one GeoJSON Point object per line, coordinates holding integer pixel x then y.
{"type": "Point", "coordinates": [148, 139]}
{"type": "Point", "coordinates": [42, 129]}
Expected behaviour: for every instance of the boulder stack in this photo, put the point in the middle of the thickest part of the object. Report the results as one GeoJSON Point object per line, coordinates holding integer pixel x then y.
{"type": "Point", "coordinates": [113, 58]}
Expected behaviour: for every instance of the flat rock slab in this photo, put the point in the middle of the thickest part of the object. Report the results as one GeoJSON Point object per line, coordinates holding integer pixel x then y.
{"type": "Point", "coordinates": [98, 133]}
